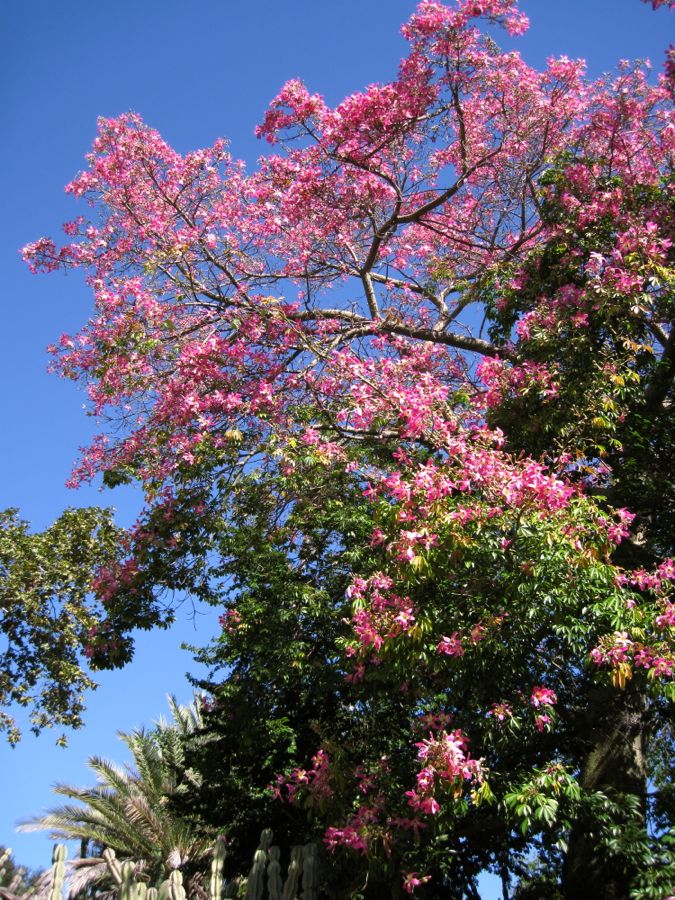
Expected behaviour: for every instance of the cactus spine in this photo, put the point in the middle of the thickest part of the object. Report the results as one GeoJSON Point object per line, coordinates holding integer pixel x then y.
{"type": "Point", "coordinates": [58, 871]}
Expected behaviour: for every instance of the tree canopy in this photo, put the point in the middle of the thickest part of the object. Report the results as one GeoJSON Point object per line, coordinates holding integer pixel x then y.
{"type": "Point", "coordinates": [401, 400]}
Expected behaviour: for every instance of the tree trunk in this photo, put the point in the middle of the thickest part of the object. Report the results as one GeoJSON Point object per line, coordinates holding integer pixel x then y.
{"type": "Point", "coordinates": [614, 765]}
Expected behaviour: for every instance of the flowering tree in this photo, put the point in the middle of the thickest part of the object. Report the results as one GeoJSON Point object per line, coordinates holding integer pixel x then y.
{"type": "Point", "coordinates": [453, 292]}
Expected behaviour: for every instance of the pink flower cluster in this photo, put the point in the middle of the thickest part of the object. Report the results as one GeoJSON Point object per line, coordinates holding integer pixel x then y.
{"type": "Point", "coordinates": [432, 18]}
{"type": "Point", "coordinates": [501, 711]}
{"type": "Point", "coordinates": [355, 834]}
{"type": "Point", "coordinates": [373, 229]}
{"type": "Point", "coordinates": [658, 581]}
{"type": "Point", "coordinates": [313, 782]}
{"type": "Point", "coordinates": [379, 613]}
{"type": "Point", "coordinates": [447, 766]}
{"type": "Point", "coordinates": [542, 696]}
{"type": "Point", "coordinates": [621, 651]}
{"type": "Point", "coordinates": [413, 880]}
{"type": "Point", "coordinates": [230, 621]}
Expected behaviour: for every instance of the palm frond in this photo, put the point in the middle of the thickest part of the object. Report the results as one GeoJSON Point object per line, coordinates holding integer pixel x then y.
{"type": "Point", "coordinates": [127, 809]}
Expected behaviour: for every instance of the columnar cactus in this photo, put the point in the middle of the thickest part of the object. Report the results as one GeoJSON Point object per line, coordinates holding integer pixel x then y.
{"type": "Point", "coordinates": [292, 883]}
{"type": "Point", "coordinates": [176, 889]}
{"type": "Point", "coordinates": [274, 883]}
{"type": "Point", "coordinates": [263, 883]}
{"type": "Point", "coordinates": [58, 871]}
{"type": "Point", "coordinates": [4, 858]}
{"type": "Point", "coordinates": [255, 884]}
{"type": "Point", "coordinates": [13, 886]}
{"type": "Point", "coordinates": [310, 874]}
{"type": "Point", "coordinates": [129, 887]}
{"type": "Point", "coordinates": [216, 879]}
{"type": "Point", "coordinates": [124, 876]}
{"type": "Point", "coordinates": [113, 865]}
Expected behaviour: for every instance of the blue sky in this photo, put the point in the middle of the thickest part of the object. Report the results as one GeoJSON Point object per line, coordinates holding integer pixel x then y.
{"type": "Point", "coordinates": [195, 71]}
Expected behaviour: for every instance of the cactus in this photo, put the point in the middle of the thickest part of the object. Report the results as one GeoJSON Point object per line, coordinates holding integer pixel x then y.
{"type": "Point", "coordinates": [58, 871]}
{"type": "Point", "coordinates": [216, 879]}
{"type": "Point", "coordinates": [124, 876]}
{"type": "Point", "coordinates": [176, 889]}
{"type": "Point", "coordinates": [255, 884]}
{"type": "Point", "coordinates": [4, 857]}
{"type": "Point", "coordinates": [310, 874]}
{"type": "Point", "coordinates": [274, 884]}
{"type": "Point", "coordinates": [129, 887]}
{"type": "Point", "coordinates": [263, 883]}
{"type": "Point", "coordinates": [292, 884]}
{"type": "Point", "coordinates": [113, 865]}
{"type": "Point", "coordinates": [13, 886]}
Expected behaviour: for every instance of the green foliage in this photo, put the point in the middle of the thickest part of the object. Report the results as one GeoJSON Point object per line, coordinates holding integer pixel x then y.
{"type": "Point", "coordinates": [284, 693]}
{"type": "Point", "coordinates": [286, 686]}
{"type": "Point", "coordinates": [128, 813]}
{"type": "Point", "coordinates": [47, 614]}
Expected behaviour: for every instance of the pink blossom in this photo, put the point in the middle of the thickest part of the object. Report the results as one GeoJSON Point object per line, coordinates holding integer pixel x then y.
{"type": "Point", "coordinates": [501, 711]}
{"type": "Point", "coordinates": [451, 646]}
{"type": "Point", "coordinates": [411, 881]}
{"type": "Point", "coordinates": [542, 696]}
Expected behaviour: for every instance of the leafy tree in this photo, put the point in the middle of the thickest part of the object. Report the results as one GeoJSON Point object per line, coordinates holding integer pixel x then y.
{"type": "Point", "coordinates": [421, 359]}
{"type": "Point", "coordinates": [128, 810]}
{"type": "Point", "coordinates": [49, 621]}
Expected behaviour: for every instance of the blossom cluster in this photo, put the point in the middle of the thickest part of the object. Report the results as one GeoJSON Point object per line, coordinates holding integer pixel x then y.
{"type": "Point", "coordinates": [623, 654]}
{"type": "Point", "coordinates": [313, 782]}
{"type": "Point", "coordinates": [447, 766]}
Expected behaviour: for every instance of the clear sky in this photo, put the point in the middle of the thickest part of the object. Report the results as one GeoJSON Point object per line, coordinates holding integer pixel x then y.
{"type": "Point", "coordinates": [195, 70]}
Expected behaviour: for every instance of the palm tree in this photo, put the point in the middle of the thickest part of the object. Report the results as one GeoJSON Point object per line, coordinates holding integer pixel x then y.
{"type": "Point", "coordinates": [128, 811]}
